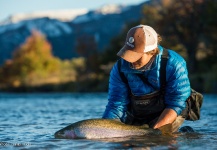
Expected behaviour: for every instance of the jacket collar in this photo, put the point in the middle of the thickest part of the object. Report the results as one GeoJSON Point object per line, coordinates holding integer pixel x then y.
{"type": "Point", "coordinates": [125, 66]}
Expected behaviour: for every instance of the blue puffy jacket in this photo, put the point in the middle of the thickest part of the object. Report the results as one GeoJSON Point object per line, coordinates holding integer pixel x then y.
{"type": "Point", "coordinates": [176, 92]}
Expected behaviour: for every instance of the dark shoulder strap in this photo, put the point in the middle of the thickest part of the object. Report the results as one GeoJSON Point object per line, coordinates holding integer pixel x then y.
{"type": "Point", "coordinates": [123, 78]}
{"type": "Point", "coordinates": [163, 64]}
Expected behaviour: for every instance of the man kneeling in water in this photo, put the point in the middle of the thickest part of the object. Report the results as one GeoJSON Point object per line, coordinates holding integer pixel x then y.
{"type": "Point", "coordinates": [143, 87]}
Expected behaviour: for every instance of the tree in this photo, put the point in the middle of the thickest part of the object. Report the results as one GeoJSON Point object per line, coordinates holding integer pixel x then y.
{"type": "Point", "coordinates": [186, 24]}
{"type": "Point", "coordinates": [109, 55]}
{"type": "Point", "coordinates": [86, 46]}
{"type": "Point", "coordinates": [32, 59]}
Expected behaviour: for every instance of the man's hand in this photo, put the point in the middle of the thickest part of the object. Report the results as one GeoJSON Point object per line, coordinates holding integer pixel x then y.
{"type": "Point", "coordinates": [168, 116]}
{"type": "Point", "coordinates": [166, 129]}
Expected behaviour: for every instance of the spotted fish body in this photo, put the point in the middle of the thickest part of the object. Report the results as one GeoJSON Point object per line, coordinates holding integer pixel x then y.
{"type": "Point", "coordinates": [102, 128]}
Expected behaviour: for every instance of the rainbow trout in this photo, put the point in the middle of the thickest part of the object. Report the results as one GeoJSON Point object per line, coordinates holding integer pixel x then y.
{"type": "Point", "coordinates": [103, 128]}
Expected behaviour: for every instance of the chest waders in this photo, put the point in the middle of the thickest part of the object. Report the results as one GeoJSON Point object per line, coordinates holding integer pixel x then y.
{"type": "Point", "coordinates": [146, 108]}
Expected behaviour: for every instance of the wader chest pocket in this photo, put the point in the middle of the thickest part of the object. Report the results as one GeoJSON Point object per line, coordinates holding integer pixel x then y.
{"type": "Point", "coordinates": [147, 104]}
{"type": "Point", "coordinates": [142, 102]}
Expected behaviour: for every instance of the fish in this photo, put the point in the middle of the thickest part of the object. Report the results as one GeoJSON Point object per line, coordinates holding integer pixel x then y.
{"type": "Point", "coordinates": [104, 128]}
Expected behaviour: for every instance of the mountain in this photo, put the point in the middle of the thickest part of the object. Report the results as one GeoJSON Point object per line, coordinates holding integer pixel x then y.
{"type": "Point", "coordinates": [98, 26]}
{"type": "Point", "coordinates": [63, 15]}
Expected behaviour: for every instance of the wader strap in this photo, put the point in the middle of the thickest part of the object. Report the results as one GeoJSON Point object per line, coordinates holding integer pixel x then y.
{"type": "Point", "coordinates": [144, 79]}
{"type": "Point", "coordinates": [163, 64]}
{"type": "Point", "coordinates": [123, 78]}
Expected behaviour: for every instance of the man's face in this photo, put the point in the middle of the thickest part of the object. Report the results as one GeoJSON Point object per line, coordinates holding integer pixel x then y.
{"type": "Point", "coordinates": [142, 61]}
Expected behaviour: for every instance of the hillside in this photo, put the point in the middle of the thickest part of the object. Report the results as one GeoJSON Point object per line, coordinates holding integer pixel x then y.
{"type": "Point", "coordinates": [100, 25]}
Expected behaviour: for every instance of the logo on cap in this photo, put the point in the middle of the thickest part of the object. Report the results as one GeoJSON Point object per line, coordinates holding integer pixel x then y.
{"type": "Point", "coordinates": [131, 39]}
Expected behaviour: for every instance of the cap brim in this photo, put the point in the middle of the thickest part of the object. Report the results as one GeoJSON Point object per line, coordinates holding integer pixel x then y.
{"type": "Point", "coordinates": [129, 55]}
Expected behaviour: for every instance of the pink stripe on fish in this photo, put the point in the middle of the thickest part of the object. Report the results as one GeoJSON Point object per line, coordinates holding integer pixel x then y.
{"type": "Point", "coordinates": [69, 134]}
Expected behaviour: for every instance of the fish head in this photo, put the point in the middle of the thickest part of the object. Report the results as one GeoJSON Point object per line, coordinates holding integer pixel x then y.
{"type": "Point", "coordinates": [65, 134]}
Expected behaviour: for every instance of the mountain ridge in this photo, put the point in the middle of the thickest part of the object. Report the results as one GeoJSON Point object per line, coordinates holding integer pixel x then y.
{"type": "Point", "coordinates": [64, 36]}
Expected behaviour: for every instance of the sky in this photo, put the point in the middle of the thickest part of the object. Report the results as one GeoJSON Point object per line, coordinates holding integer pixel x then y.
{"type": "Point", "coordinates": [11, 7]}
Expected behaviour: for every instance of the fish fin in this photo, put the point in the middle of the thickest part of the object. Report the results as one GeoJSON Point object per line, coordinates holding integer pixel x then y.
{"type": "Point", "coordinates": [144, 126]}
{"type": "Point", "coordinates": [166, 129]}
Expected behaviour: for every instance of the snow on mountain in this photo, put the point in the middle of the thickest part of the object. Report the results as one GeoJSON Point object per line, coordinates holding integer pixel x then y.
{"type": "Point", "coordinates": [51, 27]}
{"type": "Point", "coordinates": [110, 9]}
{"type": "Point", "coordinates": [100, 12]}
{"type": "Point", "coordinates": [63, 15]}
{"type": "Point", "coordinates": [74, 15]}
{"type": "Point", "coordinates": [49, 22]}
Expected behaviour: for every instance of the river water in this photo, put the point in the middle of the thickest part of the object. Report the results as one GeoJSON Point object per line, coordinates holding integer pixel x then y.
{"type": "Point", "coordinates": [28, 121]}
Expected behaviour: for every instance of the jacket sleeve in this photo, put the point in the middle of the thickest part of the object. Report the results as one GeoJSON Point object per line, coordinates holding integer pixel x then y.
{"type": "Point", "coordinates": [117, 96]}
{"type": "Point", "coordinates": [178, 86]}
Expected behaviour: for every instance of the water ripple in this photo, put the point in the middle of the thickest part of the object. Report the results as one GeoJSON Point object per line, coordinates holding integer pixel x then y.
{"type": "Point", "coordinates": [28, 121]}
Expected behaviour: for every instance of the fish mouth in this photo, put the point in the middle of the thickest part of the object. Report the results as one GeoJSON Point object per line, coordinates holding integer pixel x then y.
{"type": "Point", "coordinates": [59, 135]}
{"type": "Point", "coordinates": [66, 134]}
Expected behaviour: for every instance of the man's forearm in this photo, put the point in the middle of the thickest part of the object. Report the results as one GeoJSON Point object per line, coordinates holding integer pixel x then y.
{"type": "Point", "coordinates": [168, 116]}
